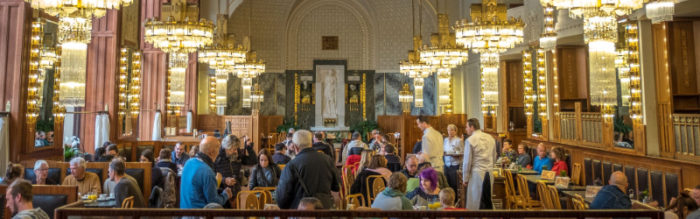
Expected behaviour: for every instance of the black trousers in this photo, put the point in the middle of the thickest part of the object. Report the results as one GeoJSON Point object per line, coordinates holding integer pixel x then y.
{"type": "Point", "coordinates": [486, 193]}
{"type": "Point", "coordinates": [451, 175]}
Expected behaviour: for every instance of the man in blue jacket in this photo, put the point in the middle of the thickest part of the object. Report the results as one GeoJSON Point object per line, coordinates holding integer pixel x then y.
{"type": "Point", "coordinates": [613, 195]}
{"type": "Point", "coordinates": [199, 182]}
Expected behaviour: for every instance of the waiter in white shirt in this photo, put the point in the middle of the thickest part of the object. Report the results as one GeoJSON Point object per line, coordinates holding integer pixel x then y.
{"type": "Point", "coordinates": [431, 144]}
{"type": "Point", "coordinates": [479, 155]}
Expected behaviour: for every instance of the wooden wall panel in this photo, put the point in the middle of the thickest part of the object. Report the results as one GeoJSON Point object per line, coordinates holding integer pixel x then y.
{"type": "Point", "coordinates": [663, 90]}
{"type": "Point", "coordinates": [514, 81]}
{"type": "Point", "coordinates": [15, 18]}
{"type": "Point", "coordinates": [102, 78]}
{"type": "Point", "coordinates": [682, 58]}
{"type": "Point", "coordinates": [573, 75]}
{"type": "Point", "coordinates": [209, 122]}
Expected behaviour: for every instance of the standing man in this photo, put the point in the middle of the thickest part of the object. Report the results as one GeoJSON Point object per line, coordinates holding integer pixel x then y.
{"type": "Point", "coordinates": [310, 174]}
{"type": "Point", "coordinates": [479, 155]}
{"type": "Point", "coordinates": [198, 183]}
{"type": "Point", "coordinates": [18, 198]}
{"type": "Point", "coordinates": [179, 157]}
{"type": "Point", "coordinates": [431, 144]}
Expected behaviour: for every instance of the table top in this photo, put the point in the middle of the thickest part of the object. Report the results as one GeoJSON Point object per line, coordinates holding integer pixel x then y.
{"type": "Point", "coordinates": [111, 203]}
{"type": "Point", "coordinates": [524, 171]}
{"type": "Point", "coordinates": [537, 178]}
{"type": "Point", "coordinates": [581, 193]}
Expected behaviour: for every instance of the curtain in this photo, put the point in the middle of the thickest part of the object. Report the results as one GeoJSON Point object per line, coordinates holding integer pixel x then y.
{"type": "Point", "coordinates": [4, 143]}
{"type": "Point", "coordinates": [189, 122]}
{"type": "Point", "coordinates": [101, 129]}
{"type": "Point", "coordinates": [156, 127]}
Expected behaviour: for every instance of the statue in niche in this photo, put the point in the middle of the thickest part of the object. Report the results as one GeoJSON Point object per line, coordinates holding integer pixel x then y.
{"type": "Point", "coordinates": [329, 98]}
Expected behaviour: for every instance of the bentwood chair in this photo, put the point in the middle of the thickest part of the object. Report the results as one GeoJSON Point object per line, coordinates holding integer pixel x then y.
{"type": "Point", "coordinates": [248, 200]}
{"type": "Point", "coordinates": [267, 192]}
{"type": "Point", "coordinates": [576, 174]}
{"type": "Point", "coordinates": [554, 197]}
{"type": "Point", "coordinates": [525, 201]}
{"type": "Point", "coordinates": [543, 193]}
{"type": "Point", "coordinates": [375, 185]}
{"type": "Point", "coordinates": [355, 199]}
{"type": "Point", "coordinates": [511, 195]}
{"type": "Point", "coordinates": [128, 202]}
{"type": "Point", "coordinates": [578, 202]}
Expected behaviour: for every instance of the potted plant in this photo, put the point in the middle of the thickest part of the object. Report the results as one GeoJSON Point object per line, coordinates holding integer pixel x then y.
{"type": "Point", "coordinates": [364, 127]}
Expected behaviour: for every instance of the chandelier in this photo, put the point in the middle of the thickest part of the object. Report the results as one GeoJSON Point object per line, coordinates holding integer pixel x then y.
{"type": "Point", "coordinates": [74, 32]}
{"type": "Point", "coordinates": [417, 70]}
{"type": "Point", "coordinates": [405, 98]}
{"type": "Point", "coordinates": [660, 10]}
{"type": "Point", "coordinates": [489, 34]}
{"type": "Point", "coordinates": [600, 32]}
{"type": "Point", "coordinates": [257, 96]}
{"type": "Point", "coordinates": [222, 56]}
{"type": "Point", "coordinates": [246, 71]}
{"type": "Point", "coordinates": [178, 33]}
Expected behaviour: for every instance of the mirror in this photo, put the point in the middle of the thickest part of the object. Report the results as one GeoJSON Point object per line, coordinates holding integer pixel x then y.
{"type": "Point", "coordinates": [44, 132]}
{"type": "Point", "coordinates": [536, 121]}
{"type": "Point", "coordinates": [622, 122]}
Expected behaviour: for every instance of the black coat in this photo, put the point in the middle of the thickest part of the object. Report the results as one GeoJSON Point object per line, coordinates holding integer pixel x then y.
{"type": "Point", "coordinates": [316, 171]}
{"type": "Point", "coordinates": [325, 148]}
{"type": "Point", "coordinates": [360, 184]}
{"type": "Point", "coordinates": [258, 178]}
{"type": "Point", "coordinates": [229, 168]}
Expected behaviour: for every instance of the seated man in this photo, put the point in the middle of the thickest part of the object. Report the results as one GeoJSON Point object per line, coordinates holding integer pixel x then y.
{"type": "Point", "coordinates": [411, 167]}
{"type": "Point", "coordinates": [280, 156]}
{"type": "Point", "coordinates": [112, 152]}
{"type": "Point", "coordinates": [179, 157]}
{"type": "Point", "coordinates": [613, 196]}
{"type": "Point", "coordinates": [165, 161]}
{"type": "Point", "coordinates": [126, 186]}
{"type": "Point", "coordinates": [310, 204]}
{"type": "Point", "coordinates": [111, 182]}
{"type": "Point", "coordinates": [321, 145]}
{"type": "Point", "coordinates": [41, 173]}
{"type": "Point", "coordinates": [87, 182]}
{"type": "Point", "coordinates": [393, 162]}
{"type": "Point", "coordinates": [19, 200]}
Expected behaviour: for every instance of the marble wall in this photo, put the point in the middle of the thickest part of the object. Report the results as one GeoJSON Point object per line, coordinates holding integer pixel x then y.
{"type": "Point", "coordinates": [272, 84]}
{"type": "Point", "coordinates": [389, 84]}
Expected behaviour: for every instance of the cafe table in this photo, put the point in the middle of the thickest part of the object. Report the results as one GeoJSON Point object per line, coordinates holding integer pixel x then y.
{"type": "Point", "coordinates": [635, 204]}
{"type": "Point", "coordinates": [108, 203]}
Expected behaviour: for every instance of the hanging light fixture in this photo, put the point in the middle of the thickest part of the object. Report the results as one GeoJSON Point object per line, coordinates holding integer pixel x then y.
{"type": "Point", "coordinates": [257, 96]}
{"type": "Point", "coordinates": [660, 10]}
{"type": "Point", "coordinates": [600, 33]}
{"type": "Point", "coordinates": [405, 98]}
{"type": "Point", "coordinates": [414, 67]}
{"type": "Point", "coordinates": [74, 32]}
{"type": "Point", "coordinates": [489, 34]}
{"type": "Point", "coordinates": [251, 68]}
{"type": "Point", "coordinates": [178, 33]}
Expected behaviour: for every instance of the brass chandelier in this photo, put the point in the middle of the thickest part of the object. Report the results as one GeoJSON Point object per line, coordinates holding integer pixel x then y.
{"type": "Point", "coordinates": [489, 34]}
{"type": "Point", "coordinates": [251, 68]}
{"type": "Point", "coordinates": [600, 33]}
{"type": "Point", "coordinates": [222, 56]}
{"type": "Point", "coordinates": [178, 33]}
{"type": "Point", "coordinates": [74, 33]}
{"type": "Point", "coordinates": [414, 67]}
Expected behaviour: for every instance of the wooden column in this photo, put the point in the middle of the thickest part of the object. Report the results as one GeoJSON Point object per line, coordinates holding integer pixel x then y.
{"type": "Point", "coordinates": [102, 78]}
{"type": "Point", "coordinates": [15, 18]}
{"type": "Point", "coordinates": [153, 76]}
{"type": "Point", "coordinates": [663, 89]}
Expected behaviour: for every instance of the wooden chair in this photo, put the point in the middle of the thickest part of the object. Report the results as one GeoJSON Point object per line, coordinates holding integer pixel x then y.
{"type": "Point", "coordinates": [267, 191]}
{"type": "Point", "coordinates": [248, 200]}
{"type": "Point", "coordinates": [375, 185]}
{"type": "Point", "coordinates": [525, 201]}
{"type": "Point", "coordinates": [576, 174]}
{"type": "Point", "coordinates": [543, 192]}
{"type": "Point", "coordinates": [128, 202]}
{"type": "Point", "coordinates": [578, 202]}
{"type": "Point", "coordinates": [282, 166]}
{"type": "Point", "coordinates": [511, 194]}
{"type": "Point", "coordinates": [355, 199]}
{"type": "Point", "coordinates": [554, 197]}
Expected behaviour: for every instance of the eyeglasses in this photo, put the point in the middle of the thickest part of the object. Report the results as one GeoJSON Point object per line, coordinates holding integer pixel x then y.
{"type": "Point", "coordinates": [43, 169]}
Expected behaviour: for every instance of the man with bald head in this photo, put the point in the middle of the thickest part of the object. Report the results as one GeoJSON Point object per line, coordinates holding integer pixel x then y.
{"type": "Point", "coordinates": [613, 195]}
{"type": "Point", "coordinates": [198, 182]}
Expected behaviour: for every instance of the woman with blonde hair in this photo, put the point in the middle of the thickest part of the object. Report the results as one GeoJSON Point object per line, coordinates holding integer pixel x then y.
{"type": "Point", "coordinates": [365, 159]}
{"type": "Point", "coordinates": [376, 167]}
{"type": "Point", "coordinates": [452, 144]}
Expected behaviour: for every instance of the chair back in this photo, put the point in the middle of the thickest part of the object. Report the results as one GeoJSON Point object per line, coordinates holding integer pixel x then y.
{"type": "Point", "coordinates": [578, 202]}
{"type": "Point", "coordinates": [523, 190]}
{"type": "Point", "coordinates": [355, 199]}
{"type": "Point", "coordinates": [248, 200]}
{"type": "Point", "coordinates": [576, 174]}
{"type": "Point", "coordinates": [267, 192]}
{"type": "Point", "coordinates": [510, 185]}
{"type": "Point", "coordinates": [543, 193]}
{"type": "Point", "coordinates": [128, 202]}
{"type": "Point", "coordinates": [554, 197]}
{"type": "Point", "coordinates": [375, 185]}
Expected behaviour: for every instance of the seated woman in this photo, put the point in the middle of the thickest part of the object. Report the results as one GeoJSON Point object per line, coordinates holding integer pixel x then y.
{"type": "Point", "coordinates": [14, 171]}
{"type": "Point", "coordinates": [156, 174]}
{"type": "Point", "coordinates": [681, 206]}
{"type": "Point", "coordinates": [428, 191]}
{"type": "Point", "coordinates": [523, 159]}
{"type": "Point", "coordinates": [41, 174]}
{"type": "Point", "coordinates": [376, 167]}
{"type": "Point", "coordinates": [393, 198]}
{"type": "Point", "coordinates": [558, 156]}
{"type": "Point", "coordinates": [264, 174]}
{"type": "Point", "coordinates": [354, 156]}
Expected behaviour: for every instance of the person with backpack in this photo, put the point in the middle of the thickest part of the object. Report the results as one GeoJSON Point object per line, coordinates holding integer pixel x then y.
{"type": "Point", "coordinates": [310, 174]}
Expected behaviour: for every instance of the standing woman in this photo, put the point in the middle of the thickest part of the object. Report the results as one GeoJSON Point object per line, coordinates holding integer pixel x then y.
{"type": "Point", "coordinates": [558, 156]}
{"type": "Point", "coordinates": [265, 173]}
{"type": "Point", "coordinates": [452, 144]}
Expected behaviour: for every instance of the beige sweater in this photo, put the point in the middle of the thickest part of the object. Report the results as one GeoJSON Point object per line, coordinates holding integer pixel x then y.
{"type": "Point", "coordinates": [90, 183]}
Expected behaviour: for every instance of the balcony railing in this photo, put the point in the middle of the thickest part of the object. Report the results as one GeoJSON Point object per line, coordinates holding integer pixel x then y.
{"type": "Point", "coordinates": [686, 131]}
{"type": "Point", "coordinates": [568, 126]}
{"type": "Point", "coordinates": [592, 127]}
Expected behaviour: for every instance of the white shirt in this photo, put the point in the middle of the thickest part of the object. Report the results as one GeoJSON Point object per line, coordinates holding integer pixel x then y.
{"type": "Point", "coordinates": [432, 148]}
{"type": "Point", "coordinates": [479, 154]}
{"type": "Point", "coordinates": [453, 145]}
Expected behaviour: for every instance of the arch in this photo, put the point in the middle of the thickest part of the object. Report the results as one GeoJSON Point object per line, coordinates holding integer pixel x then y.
{"type": "Point", "coordinates": [299, 10]}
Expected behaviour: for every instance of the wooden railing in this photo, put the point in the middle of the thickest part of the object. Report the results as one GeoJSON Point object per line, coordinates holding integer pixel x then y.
{"type": "Point", "coordinates": [72, 211]}
{"type": "Point", "coordinates": [592, 127]}
{"type": "Point", "coordinates": [568, 125]}
{"type": "Point", "coordinates": [686, 131]}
